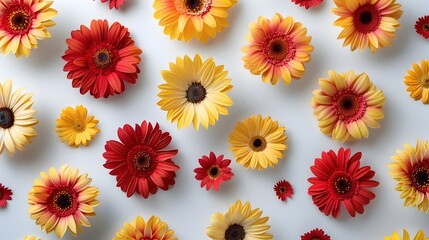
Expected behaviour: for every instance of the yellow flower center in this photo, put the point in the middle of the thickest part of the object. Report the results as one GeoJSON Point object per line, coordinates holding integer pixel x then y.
{"type": "Point", "coordinates": [424, 80]}
{"type": "Point", "coordinates": [214, 171]}
{"type": "Point", "coordinates": [193, 7]}
{"type": "Point", "coordinates": [235, 232]}
{"type": "Point", "coordinates": [79, 126]}
{"type": "Point", "coordinates": [258, 143]}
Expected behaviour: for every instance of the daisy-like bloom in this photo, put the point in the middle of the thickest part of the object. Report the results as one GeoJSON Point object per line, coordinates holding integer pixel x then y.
{"type": "Point", "coordinates": [114, 3]}
{"type": "Point", "coordinates": [338, 178]}
{"type": "Point", "coordinates": [277, 48]}
{"type": "Point", "coordinates": [62, 200]}
{"type": "Point", "coordinates": [406, 236]}
{"type": "Point", "coordinates": [367, 23]}
{"type": "Point", "coordinates": [5, 195]}
{"type": "Point", "coordinates": [16, 118]}
{"type": "Point", "coordinates": [23, 23]}
{"type": "Point", "coordinates": [75, 127]}
{"type": "Point", "coordinates": [411, 170]}
{"type": "Point", "coordinates": [258, 142]}
{"type": "Point", "coordinates": [140, 162]}
{"type": "Point", "coordinates": [153, 229]}
{"type": "Point", "coordinates": [417, 81]}
{"type": "Point", "coordinates": [346, 105]}
{"type": "Point", "coordinates": [31, 238]}
{"type": "Point", "coordinates": [101, 58]}
{"type": "Point", "coordinates": [239, 222]}
{"type": "Point", "coordinates": [195, 92]}
{"type": "Point", "coordinates": [185, 19]}
{"type": "Point", "coordinates": [283, 190]}
{"type": "Point", "coordinates": [307, 3]}
{"type": "Point", "coordinates": [213, 171]}
{"type": "Point", "coordinates": [315, 234]}
{"type": "Point", "coordinates": [422, 26]}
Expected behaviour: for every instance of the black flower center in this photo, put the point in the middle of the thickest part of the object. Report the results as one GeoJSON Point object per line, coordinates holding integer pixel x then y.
{"type": "Point", "coordinates": [193, 4]}
{"type": "Point", "coordinates": [19, 20]}
{"type": "Point", "coordinates": [421, 177]}
{"type": "Point", "coordinates": [142, 160]}
{"type": "Point", "coordinates": [63, 200]}
{"type": "Point", "coordinates": [194, 7]}
{"type": "Point", "coordinates": [214, 171]}
{"type": "Point", "coordinates": [283, 189]}
{"type": "Point", "coordinates": [365, 17]}
{"type": "Point", "coordinates": [342, 185]}
{"type": "Point", "coordinates": [103, 58]}
{"type": "Point", "coordinates": [196, 93]}
{"type": "Point", "coordinates": [6, 117]}
{"type": "Point", "coordinates": [258, 144]}
{"type": "Point", "coordinates": [235, 232]}
{"type": "Point", "coordinates": [426, 26]}
{"type": "Point", "coordinates": [349, 106]}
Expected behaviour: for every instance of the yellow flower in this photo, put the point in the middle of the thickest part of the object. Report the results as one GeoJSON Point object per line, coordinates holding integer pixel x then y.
{"type": "Point", "coordinates": [16, 119]}
{"type": "Point", "coordinates": [417, 81]}
{"type": "Point", "coordinates": [419, 236]}
{"type": "Point", "coordinates": [184, 19]}
{"type": "Point", "coordinates": [75, 127]}
{"type": "Point", "coordinates": [154, 228]}
{"type": "Point", "coordinates": [195, 92]}
{"type": "Point", "coordinates": [31, 238]}
{"type": "Point", "coordinates": [258, 142]}
{"type": "Point", "coordinates": [411, 170]}
{"type": "Point", "coordinates": [240, 222]}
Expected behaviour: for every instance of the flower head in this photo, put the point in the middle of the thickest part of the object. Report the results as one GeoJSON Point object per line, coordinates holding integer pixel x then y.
{"type": "Point", "coordinates": [307, 3]}
{"type": "Point", "coordinates": [213, 171]}
{"type": "Point", "coordinates": [5, 195]}
{"type": "Point", "coordinates": [367, 23]}
{"type": "Point", "coordinates": [406, 236]}
{"type": "Point", "coordinates": [277, 48]}
{"type": "Point", "coordinates": [62, 200]}
{"type": "Point", "coordinates": [422, 26]}
{"type": "Point", "coordinates": [153, 229]}
{"type": "Point", "coordinates": [139, 161]}
{"type": "Point", "coordinates": [346, 105]}
{"type": "Point", "coordinates": [101, 58]}
{"type": "Point", "coordinates": [283, 190]}
{"type": "Point", "coordinates": [417, 81]}
{"type": "Point", "coordinates": [315, 234]}
{"type": "Point", "coordinates": [339, 179]}
{"type": "Point", "coordinates": [28, 237]}
{"type": "Point", "coordinates": [114, 3]}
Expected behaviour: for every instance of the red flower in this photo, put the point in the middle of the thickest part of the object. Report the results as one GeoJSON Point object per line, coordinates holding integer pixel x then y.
{"type": "Point", "coordinates": [283, 190]}
{"type": "Point", "coordinates": [307, 3]}
{"type": "Point", "coordinates": [213, 171]}
{"type": "Point", "coordinates": [114, 3]}
{"type": "Point", "coordinates": [340, 179]}
{"type": "Point", "coordinates": [315, 234]}
{"type": "Point", "coordinates": [100, 59]}
{"type": "Point", "coordinates": [422, 26]}
{"type": "Point", "coordinates": [5, 195]}
{"type": "Point", "coordinates": [139, 161]}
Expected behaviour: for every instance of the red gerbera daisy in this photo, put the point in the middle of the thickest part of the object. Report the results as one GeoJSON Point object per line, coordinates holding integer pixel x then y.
{"type": "Point", "coordinates": [139, 161]}
{"type": "Point", "coordinates": [340, 179]}
{"type": "Point", "coordinates": [318, 234]}
{"type": "Point", "coordinates": [5, 195]}
{"type": "Point", "coordinates": [99, 59]}
{"type": "Point", "coordinates": [114, 3]}
{"type": "Point", "coordinates": [283, 190]}
{"type": "Point", "coordinates": [213, 171]}
{"type": "Point", "coordinates": [422, 26]}
{"type": "Point", "coordinates": [307, 3]}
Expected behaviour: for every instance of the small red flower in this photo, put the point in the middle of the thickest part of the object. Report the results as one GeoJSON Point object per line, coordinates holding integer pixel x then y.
{"type": "Point", "coordinates": [422, 26]}
{"type": "Point", "coordinates": [114, 3]}
{"type": "Point", "coordinates": [307, 3]}
{"type": "Point", "coordinates": [315, 234]}
{"type": "Point", "coordinates": [213, 171]}
{"type": "Point", "coordinates": [5, 195]}
{"type": "Point", "coordinates": [283, 190]}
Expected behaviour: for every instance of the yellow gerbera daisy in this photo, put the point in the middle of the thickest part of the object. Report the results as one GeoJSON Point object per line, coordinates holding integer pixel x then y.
{"type": "Point", "coordinates": [411, 170]}
{"type": "Point", "coordinates": [31, 238]}
{"type": "Point", "coordinates": [240, 222]}
{"type": "Point", "coordinates": [75, 127]}
{"type": "Point", "coordinates": [258, 142]}
{"type": "Point", "coordinates": [22, 23]}
{"type": "Point", "coordinates": [195, 91]}
{"type": "Point", "coordinates": [417, 81]}
{"type": "Point", "coordinates": [154, 228]}
{"type": "Point", "coordinates": [201, 19]}
{"type": "Point", "coordinates": [62, 200]}
{"type": "Point", "coordinates": [367, 23]}
{"type": "Point", "coordinates": [419, 236]}
{"type": "Point", "coordinates": [16, 118]}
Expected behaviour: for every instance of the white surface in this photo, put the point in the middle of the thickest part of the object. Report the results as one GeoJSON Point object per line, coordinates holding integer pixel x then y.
{"type": "Point", "coordinates": [186, 207]}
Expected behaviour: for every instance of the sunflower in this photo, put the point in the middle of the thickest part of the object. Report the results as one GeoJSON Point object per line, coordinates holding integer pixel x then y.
{"type": "Point", "coordinates": [195, 92]}
{"type": "Point", "coordinates": [140, 162]}
{"type": "Point", "coordinates": [75, 127]}
{"type": "Point", "coordinates": [417, 81]}
{"type": "Point", "coordinates": [28, 237]}
{"type": "Point", "coordinates": [258, 142]}
{"type": "Point", "coordinates": [213, 171]}
{"type": "Point", "coordinates": [315, 234]}
{"type": "Point", "coordinates": [422, 26]}
{"type": "Point", "coordinates": [5, 195]}
{"type": "Point", "coordinates": [406, 236]}
{"type": "Point", "coordinates": [283, 190]}
{"type": "Point", "coordinates": [16, 119]}
{"type": "Point", "coordinates": [240, 222]}
{"type": "Point", "coordinates": [411, 171]}
{"type": "Point", "coordinates": [62, 200]}
{"type": "Point", "coordinates": [185, 19]}
{"type": "Point", "coordinates": [153, 229]}
{"type": "Point", "coordinates": [307, 3]}
{"type": "Point", "coordinates": [277, 48]}
{"type": "Point", "coordinates": [346, 105]}
{"type": "Point", "coordinates": [339, 179]}
{"type": "Point", "coordinates": [22, 23]}
{"type": "Point", "coordinates": [114, 3]}
{"type": "Point", "coordinates": [101, 58]}
{"type": "Point", "coordinates": [367, 23]}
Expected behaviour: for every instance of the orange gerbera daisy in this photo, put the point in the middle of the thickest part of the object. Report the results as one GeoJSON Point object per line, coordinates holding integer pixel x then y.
{"type": "Point", "coordinates": [367, 23]}
{"type": "Point", "coordinates": [278, 48]}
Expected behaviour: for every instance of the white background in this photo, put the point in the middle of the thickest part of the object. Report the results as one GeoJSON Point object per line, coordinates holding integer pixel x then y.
{"type": "Point", "coordinates": [186, 207]}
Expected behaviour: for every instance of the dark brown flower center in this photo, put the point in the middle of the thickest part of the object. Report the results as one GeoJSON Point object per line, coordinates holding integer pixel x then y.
{"type": "Point", "coordinates": [196, 93]}
{"type": "Point", "coordinates": [278, 49]}
{"type": "Point", "coordinates": [426, 26]}
{"type": "Point", "coordinates": [349, 106]}
{"type": "Point", "coordinates": [283, 189]}
{"type": "Point", "coordinates": [142, 161]}
{"type": "Point", "coordinates": [420, 176]}
{"type": "Point", "coordinates": [214, 171]}
{"type": "Point", "coordinates": [315, 238]}
{"type": "Point", "coordinates": [235, 232]}
{"type": "Point", "coordinates": [103, 58]}
{"type": "Point", "coordinates": [366, 18]}
{"type": "Point", "coordinates": [258, 143]}
{"type": "Point", "coordinates": [6, 117]}
{"type": "Point", "coordinates": [341, 185]}
{"type": "Point", "coordinates": [63, 201]}
{"type": "Point", "coordinates": [193, 7]}
{"type": "Point", "coordinates": [16, 18]}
